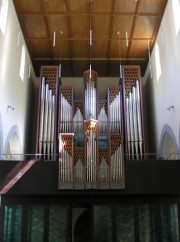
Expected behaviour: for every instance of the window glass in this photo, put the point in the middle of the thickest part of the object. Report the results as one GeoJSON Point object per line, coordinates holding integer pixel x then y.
{"type": "Point", "coordinates": [3, 15]}
{"type": "Point", "coordinates": [169, 223]}
{"type": "Point", "coordinates": [102, 224]}
{"type": "Point", "coordinates": [125, 223]}
{"type": "Point", "coordinates": [35, 224]}
{"type": "Point", "coordinates": [158, 62]}
{"type": "Point", "coordinates": [22, 63]}
{"type": "Point", "coordinates": [12, 223]}
{"type": "Point", "coordinates": [169, 151]}
{"type": "Point", "coordinates": [57, 223]}
{"type": "Point", "coordinates": [147, 221]}
{"type": "Point", "coordinates": [176, 13]}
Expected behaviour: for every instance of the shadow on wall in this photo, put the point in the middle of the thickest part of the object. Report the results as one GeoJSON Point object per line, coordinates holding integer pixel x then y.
{"type": "Point", "coordinates": [12, 150]}
{"type": "Point", "coordinates": [168, 144]}
{"type": "Point", "coordinates": [149, 118]}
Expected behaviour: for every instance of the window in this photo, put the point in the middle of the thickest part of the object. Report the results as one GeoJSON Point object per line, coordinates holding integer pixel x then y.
{"type": "Point", "coordinates": [3, 15]}
{"type": "Point", "coordinates": [22, 64]}
{"type": "Point", "coordinates": [158, 62]}
{"type": "Point", "coordinates": [176, 12]}
{"type": "Point", "coordinates": [169, 151]}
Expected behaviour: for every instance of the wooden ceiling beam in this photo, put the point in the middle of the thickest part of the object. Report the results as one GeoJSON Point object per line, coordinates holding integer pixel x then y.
{"type": "Point", "coordinates": [87, 39]}
{"type": "Point", "coordinates": [87, 14]}
{"type": "Point", "coordinates": [111, 33]}
{"type": "Point", "coordinates": [68, 33]}
{"type": "Point", "coordinates": [87, 59]}
{"type": "Point", "coordinates": [46, 27]}
{"type": "Point", "coordinates": [133, 27]}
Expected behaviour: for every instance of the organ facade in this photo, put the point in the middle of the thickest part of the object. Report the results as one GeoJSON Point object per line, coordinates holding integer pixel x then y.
{"type": "Point", "coordinates": [90, 138]}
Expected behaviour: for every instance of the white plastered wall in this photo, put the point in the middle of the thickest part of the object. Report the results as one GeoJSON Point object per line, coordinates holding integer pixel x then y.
{"type": "Point", "coordinates": [166, 91]}
{"type": "Point", "coordinates": [14, 92]}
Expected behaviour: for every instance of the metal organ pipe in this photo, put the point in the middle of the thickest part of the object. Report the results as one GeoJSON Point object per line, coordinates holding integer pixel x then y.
{"type": "Point", "coordinates": [78, 121]}
{"type": "Point", "coordinates": [128, 128]}
{"type": "Point", "coordinates": [42, 114]}
{"type": "Point", "coordinates": [90, 100]}
{"type": "Point", "coordinates": [115, 115]}
{"type": "Point", "coordinates": [139, 117]}
{"type": "Point", "coordinates": [134, 124]}
{"type": "Point", "coordinates": [131, 125]}
{"type": "Point", "coordinates": [49, 124]}
{"type": "Point", "coordinates": [102, 121]}
{"type": "Point", "coordinates": [66, 115]}
{"type": "Point", "coordinates": [45, 119]}
{"type": "Point", "coordinates": [135, 121]}
{"type": "Point", "coordinates": [52, 126]}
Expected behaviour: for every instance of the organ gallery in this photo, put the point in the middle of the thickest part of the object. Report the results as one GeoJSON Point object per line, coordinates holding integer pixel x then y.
{"type": "Point", "coordinates": [91, 138]}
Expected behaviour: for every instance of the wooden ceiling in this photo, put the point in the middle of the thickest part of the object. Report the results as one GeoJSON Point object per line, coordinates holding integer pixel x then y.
{"type": "Point", "coordinates": [39, 20]}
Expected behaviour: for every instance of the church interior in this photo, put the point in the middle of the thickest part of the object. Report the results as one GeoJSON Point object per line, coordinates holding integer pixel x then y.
{"type": "Point", "coordinates": [89, 120]}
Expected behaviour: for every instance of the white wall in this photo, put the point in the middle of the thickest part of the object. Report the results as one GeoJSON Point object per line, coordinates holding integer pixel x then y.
{"type": "Point", "coordinates": [166, 91]}
{"type": "Point", "coordinates": [13, 91]}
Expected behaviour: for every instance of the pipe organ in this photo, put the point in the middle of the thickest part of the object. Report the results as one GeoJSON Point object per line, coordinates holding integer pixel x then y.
{"type": "Point", "coordinates": [47, 113]}
{"type": "Point", "coordinates": [134, 135]}
{"type": "Point", "coordinates": [91, 138]}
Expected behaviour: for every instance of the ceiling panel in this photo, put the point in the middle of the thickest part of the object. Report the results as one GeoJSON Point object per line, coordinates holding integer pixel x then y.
{"type": "Point", "coordinates": [54, 6]}
{"type": "Point", "coordinates": [99, 6]}
{"type": "Point", "coordinates": [35, 26]}
{"type": "Point", "coordinates": [80, 6]}
{"type": "Point", "coordinates": [151, 6]}
{"type": "Point", "coordinates": [145, 27]}
{"type": "Point", "coordinates": [122, 24]}
{"type": "Point", "coordinates": [33, 6]}
{"type": "Point", "coordinates": [58, 23]}
{"type": "Point", "coordinates": [118, 50]}
{"type": "Point", "coordinates": [128, 6]}
{"type": "Point", "coordinates": [40, 18]}
{"type": "Point", "coordinates": [139, 49]}
{"type": "Point", "coordinates": [100, 48]}
{"type": "Point", "coordinates": [101, 26]}
{"type": "Point", "coordinates": [40, 48]}
{"type": "Point", "coordinates": [80, 49]}
{"type": "Point", "coordinates": [79, 26]}
{"type": "Point", "coordinates": [61, 49]}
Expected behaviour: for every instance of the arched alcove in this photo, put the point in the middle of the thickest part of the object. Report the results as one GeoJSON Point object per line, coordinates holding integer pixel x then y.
{"type": "Point", "coordinates": [168, 145]}
{"type": "Point", "coordinates": [12, 149]}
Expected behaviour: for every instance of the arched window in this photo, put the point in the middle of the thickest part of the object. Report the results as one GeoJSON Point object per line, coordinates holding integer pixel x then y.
{"type": "Point", "coordinates": [176, 13]}
{"type": "Point", "coordinates": [13, 148]}
{"type": "Point", "coordinates": [169, 151]}
{"type": "Point", "coordinates": [158, 62]}
{"type": "Point", "coordinates": [3, 15]}
{"type": "Point", "coordinates": [22, 63]}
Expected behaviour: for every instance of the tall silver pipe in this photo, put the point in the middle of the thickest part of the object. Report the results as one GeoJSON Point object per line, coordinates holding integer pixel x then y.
{"type": "Point", "coordinates": [49, 123]}
{"type": "Point", "coordinates": [42, 114]}
{"type": "Point", "coordinates": [45, 119]}
{"type": "Point", "coordinates": [121, 162]}
{"type": "Point", "coordinates": [139, 118]}
{"type": "Point", "coordinates": [52, 126]}
{"type": "Point", "coordinates": [128, 127]}
{"type": "Point", "coordinates": [135, 121]}
{"type": "Point", "coordinates": [131, 125]}
{"type": "Point", "coordinates": [119, 108]}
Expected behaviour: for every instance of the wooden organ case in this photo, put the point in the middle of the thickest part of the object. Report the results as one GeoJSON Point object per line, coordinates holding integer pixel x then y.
{"type": "Point", "coordinates": [94, 137]}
